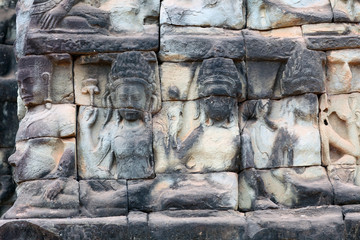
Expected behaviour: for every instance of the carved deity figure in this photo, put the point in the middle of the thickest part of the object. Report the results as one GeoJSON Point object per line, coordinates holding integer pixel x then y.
{"type": "Point", "coordinates": [67, 14]}
{"type": "Point", "coordinates": [45, 144]}
{"type": "Point", "coordinates": [215, 124]}
{"type": "Point", "coordinates": [123, 148]}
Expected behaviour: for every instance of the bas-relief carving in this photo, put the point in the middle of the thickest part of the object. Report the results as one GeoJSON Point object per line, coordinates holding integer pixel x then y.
{"type": "Point", "coordinates": [343, 71]}
{"type": "Point", "coordinates": [45, 147]}
{"type": "Point", "coordinates": [280, 133]}
{"type": "Point", "coordinates": [201, 135]}
{"type": "Point", "coordinates": [116, 141]}
{"type": "Point", "coordinates": [284, 188]}
{"type": "Point", "coordinates": [339, 128]}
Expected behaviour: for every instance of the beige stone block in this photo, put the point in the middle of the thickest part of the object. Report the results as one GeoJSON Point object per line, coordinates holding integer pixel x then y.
{"type": "Point", "coordinates": [339, 129]}
{"type": "Point", "coordinates": [343, 71]}
{"type": "Point", "coordinates": [187, 139]}
{"type": "Point", "coordinates": [223, 13]}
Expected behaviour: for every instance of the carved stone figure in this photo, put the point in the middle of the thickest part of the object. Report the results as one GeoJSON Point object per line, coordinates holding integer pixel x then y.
{"type": "Point", "coordinates": [122, 148]}
{"type": "Point", "coordinates": [42, 152]}
{"type": "Point", "coordinates": [340, 128]}
{"type": "Point", "coordinates": [280, 133]}
{"type": "Point", "coordinates": [211, 141]}
{"type": "Point", "coordinates": [67, 14]}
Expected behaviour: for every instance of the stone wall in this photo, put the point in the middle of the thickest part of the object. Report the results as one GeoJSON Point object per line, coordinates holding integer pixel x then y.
{"type": "Point", "coordinates": [208, 119]}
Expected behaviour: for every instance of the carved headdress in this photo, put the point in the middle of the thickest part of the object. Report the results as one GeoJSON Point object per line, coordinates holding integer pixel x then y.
{"type": "Point", "coordinates": [219, 77]}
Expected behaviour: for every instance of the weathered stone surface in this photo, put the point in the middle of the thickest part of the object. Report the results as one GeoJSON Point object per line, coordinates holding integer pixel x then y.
{"type": "Point", "coordinates": [8, 124]}
{"type": "Point", "coordinates": [280, 133]}
{"type": "Point", "coordinates": [197, 136]}
{"type": "Point", "coordinates": [346, 183]}
{"type": "Point", "coordinates": [9, 90]}
{"type": "Point", "coordinates": [339, 128]}
{"type": "Point", "coordinates": [327, 36]}
{"type": "Point", "coordinates": [57, 121]}
{"type": "Point", "coordinates": [103, 198]}
{"type": "Point", "coordinates": [25, 230]}
{"type": "Point", "coordinates": [184, 191]}
{"type": "Point", "coordinates": [305, 223]}
{"type": "Point", "coordinates": [346, 11]}
{"type": "Point", "coordinates": [343, 71]}
{"type": "Point", "coordinates": [197, 224]}
{"type": "Point", "coordinates": [7, 22]}
{"type": "Point", "coordinates": [223, 14]}
{"type": "Point", "coordinates": [44, 158]}
{"type": "Point", "coordinates": [52, 82]}
{"type": "Point", "coordinates": [264, 15]}
{"type": "Point", "coordinates": [284, 187]}
{"type": "Point", "coordinates": [7, 64]}
{"type": "Point", "coordinates": [46, 199]}
{"type": "Point", "coordinates": [129, 15]}
{"type": "Point", "coordinates": [352, 225]}
{"type": "Point", "coordinates": [81, 44]}
{"type": "Point", "coordinates": [4, 165]}
{"type": "Point", "coordinates": [277, 44]}
{"type": "Point", "coordinates": [179, 44]}
{"type": "Point", "coordinates": [98, 79]}
{"type": "Point", "coordinates": [114, 144]}
{"type": "Point", "coordinates": [188, 80]}
{"type": "Point", "coordinates": [284, 66]}
{"type": "Point", "coordinates": [73, 228]}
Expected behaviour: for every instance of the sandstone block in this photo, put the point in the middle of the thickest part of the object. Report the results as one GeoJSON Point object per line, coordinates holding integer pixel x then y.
{"type": "Point", "coordinates": [179, 44]}
{"type": "Point", "coordinates": [184, 191]}
{"type": "Point", "coordinates": [280, 133]}
{"type": "Point", "coordinates": [197, 224]}
{"type": "Point", "coordinates": [284, 187]}
{"type": "Point", "coordinates": [8, 124]}
{"type": "Point", "coordinates": [223, 14]}
{"type": "Point", "coordinates": [103, 198]}
{"type": "Point", "coordinates": [346, 11]}
{"type": "Point", "coordinates": [264, 15]}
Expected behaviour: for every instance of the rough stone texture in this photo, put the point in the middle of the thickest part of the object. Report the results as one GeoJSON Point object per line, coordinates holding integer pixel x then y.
{"type": "Point", "coordinates": [284, 66]}
{"type": "Point", "coordinates": [193, 43]}
{"type": "Point", "coordinates": [284, 187]}
{"type": "Point", "coordinates": [339, 128]}
{"type": "Point", "coordinates": [46, 199]}
{"type": "Point", "coordinates": [114, 148]}
{"type": "Point", "coordinates": [53, 81]}
{"type": "Point", "coordinates": [44, 158]}
{"type": "Point", "coordinates": [280, 133]}
{"type": "Point", "coordinates": [197, 224]}
{"type": "Point", "coordinates": [8, 123]}
{"type": "Point", "coordinates": [343, 71]}
{"type": "Point", "coordinates": [79, 44]}
{"type": "Point", "coordinates": [352, 225]}
{"type": "Point", "coordinates": [203, 13]}
{"type": "Point", "coordinates": [103, 198]}
{"type": "Point", "coordinates": [93, 85]}
{"type": "Point", "coordinates": [305, 223]}
{"type": "Point", "coordinates": [7, 65]}
{"type": "Point", "coordinates": [262, 14]}
{"type": "Point", "coordinates": [180, 191]}
{"type": "Point", "coordinates": [138, 225]}
{"type": "Point", "coordinates": [328, 36]}
{"type": "Point", "coordinates": [186, 139]}
{"type": "Point", "coordinates": [39, 121]}
{"type": "Point", "coordinates": [70, 228]}
{"type": "Point", "coordinates": [346, 11]}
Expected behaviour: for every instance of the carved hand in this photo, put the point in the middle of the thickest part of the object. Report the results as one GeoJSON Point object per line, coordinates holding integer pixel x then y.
{"type": "Point", "coordinates": [54, 189]}
{"type": "Point", "coordinates": [52, 17]}
{"type": "Point", "coordinates": [89, 117]}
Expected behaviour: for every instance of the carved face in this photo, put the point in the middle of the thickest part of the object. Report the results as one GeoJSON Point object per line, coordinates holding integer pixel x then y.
{"type": "Point", "coordinates": [33, 88]}
{"type": "Point", "coordinates": [218, 108]}
{"type": "Point", "coordinates": [131, 98]}
{"type": "Point", "coordinates": [33, 159]}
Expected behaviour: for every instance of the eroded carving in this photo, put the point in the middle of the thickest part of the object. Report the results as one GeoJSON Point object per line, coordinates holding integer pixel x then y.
{"type": "Point", "coordinates": [280, 133]}
{"type": "Point", "coordinates": [117, 142]}
{"type": "Point", "coordinates": [187, 135]}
